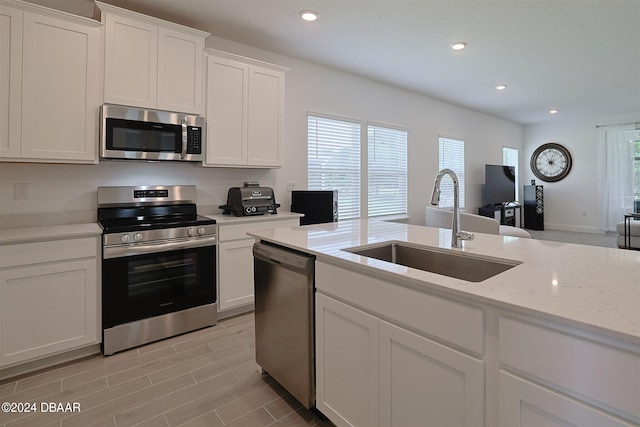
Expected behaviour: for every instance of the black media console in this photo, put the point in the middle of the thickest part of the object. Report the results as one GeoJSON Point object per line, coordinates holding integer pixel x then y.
{"type": "Point", "coordinates": [506, 215]}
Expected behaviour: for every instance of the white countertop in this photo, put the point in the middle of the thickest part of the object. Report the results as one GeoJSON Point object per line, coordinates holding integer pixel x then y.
{"type": "Point", "coordinates": [591, 287]}
{"type": "Point", "coordinates": [49, 232]}
{"type": "Point", "coordinates": [231, 219]}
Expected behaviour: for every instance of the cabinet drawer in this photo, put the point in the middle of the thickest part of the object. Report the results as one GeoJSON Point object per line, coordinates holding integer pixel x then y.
{"type": "Point", "coordinates": [526, 404]}
{"type": "Point", "coordinates": [545, 354]}
{"type": "Point", "coordinates": [239, 231]}
{"type": "Point", "coordinates": [448, 320]}
{"type": "Point", "coordinates": [49, 251]}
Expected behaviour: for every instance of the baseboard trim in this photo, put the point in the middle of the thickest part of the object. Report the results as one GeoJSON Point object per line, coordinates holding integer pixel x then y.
{"type": "Point", "coordinates": [574, 228]}
{"type": "Point", "coordinates": [49, 361]}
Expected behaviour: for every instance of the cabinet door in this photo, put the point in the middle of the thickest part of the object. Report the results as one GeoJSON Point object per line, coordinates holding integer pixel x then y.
{"type": "Point", "coordinates": [10, 81]}
{"type": "Point", "coordinates": [227, 98]}
{"type": "Point", "coordinates": [179, 71]}
{"type": "Point", "coordinates": [47, 309]}
{"type": "Point", "coordinates": [60, 92]}
{"type": "Point", "coordinates": [235, 273]}
{"type": "Point", "coordinates": [266, 117]}
{"type": "Point", "coordinates": [524, 404]}
{"type": "Point", "coordinates": [131, 62]}
{"type": "Point", "coordinates": [346, 363]}
{"type": "Point", "coordinates": [425, 383]}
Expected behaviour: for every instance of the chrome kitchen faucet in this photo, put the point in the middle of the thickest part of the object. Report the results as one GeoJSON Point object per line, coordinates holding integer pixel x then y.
{"type": "Point", "coordinates": [457, 235]}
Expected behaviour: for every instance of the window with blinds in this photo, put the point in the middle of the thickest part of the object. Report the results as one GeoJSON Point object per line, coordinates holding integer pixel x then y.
{"type": "Point", "coordinates": [510, 158]}
{"type": "Point", "coordinates": [335, 158]}
{"type": "Point", "coordinates": [333, 154]}
{"type": "Point", "coordinates": [451, 155]}
{"type": "Point", "coordinates": [387, 171]}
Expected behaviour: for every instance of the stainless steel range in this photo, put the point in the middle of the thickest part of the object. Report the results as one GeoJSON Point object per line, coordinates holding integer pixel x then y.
{"type": "Point", "coordinates": [158, 265]}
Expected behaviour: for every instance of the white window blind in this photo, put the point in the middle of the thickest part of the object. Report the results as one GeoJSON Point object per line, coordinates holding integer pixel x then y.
{"type": "Point", "coordinates": [334, 161]}
{"type": "Point", "coordinates": [451, 155]}
{"type": "Point", "coordinates": [510, 158]}
{"type": "Point", "coordinates": [387, 171]}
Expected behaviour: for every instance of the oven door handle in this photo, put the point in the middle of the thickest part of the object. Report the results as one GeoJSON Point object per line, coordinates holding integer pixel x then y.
{"type": "Point", "coordinates": [120, 251]}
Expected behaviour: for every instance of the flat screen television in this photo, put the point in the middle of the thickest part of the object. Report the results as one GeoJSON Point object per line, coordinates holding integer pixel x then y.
{"type": "Point", "coordinates": [500, 184]}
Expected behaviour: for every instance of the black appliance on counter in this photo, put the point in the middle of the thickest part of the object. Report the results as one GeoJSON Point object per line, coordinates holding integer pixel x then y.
{"type": "Point", "coordinates": [158, 265]}
{"type": "Point", "coordinates": [251, 199]}
{"type": "Point", "coordinates": [318, 206]}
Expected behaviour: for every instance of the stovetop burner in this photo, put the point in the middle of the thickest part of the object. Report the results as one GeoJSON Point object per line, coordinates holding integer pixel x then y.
{"type": "Point", "coordinates": [138, 209]}
{"type": "Point", "coordinates": [122, 225]}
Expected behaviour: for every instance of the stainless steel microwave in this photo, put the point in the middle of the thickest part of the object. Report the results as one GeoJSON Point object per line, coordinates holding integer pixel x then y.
{"type": "Point", "coordinates": [133, 133]}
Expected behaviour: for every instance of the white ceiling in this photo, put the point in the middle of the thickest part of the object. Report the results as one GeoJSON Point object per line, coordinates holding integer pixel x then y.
{"type": "Point", "coordinates": [581, 57]}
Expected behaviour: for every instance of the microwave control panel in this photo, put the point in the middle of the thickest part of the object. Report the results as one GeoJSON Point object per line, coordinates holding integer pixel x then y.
{"type": "Point", "coordinates": [194, 140]}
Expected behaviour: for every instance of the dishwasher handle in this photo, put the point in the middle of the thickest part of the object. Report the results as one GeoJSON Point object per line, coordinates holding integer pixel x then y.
{"type": "Point", "coordinates": [290, 260]}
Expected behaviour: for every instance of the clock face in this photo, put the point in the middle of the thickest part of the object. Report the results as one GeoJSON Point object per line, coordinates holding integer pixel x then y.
{"type": "Point", "coordinates": [551, 162]}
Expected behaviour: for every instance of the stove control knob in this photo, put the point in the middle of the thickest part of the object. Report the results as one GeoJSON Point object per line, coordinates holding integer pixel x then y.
{"type": "Point", "coordinates": [191, 232]}
{"type": "Point", "coordinates": [137, 237]}
{"type": "Point", "coordinates": [125, 238]}
{"type": "Point", "coordinates": [201, 230]}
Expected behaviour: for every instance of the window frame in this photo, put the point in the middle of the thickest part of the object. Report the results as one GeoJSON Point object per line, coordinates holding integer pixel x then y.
{"type": "Point", "coordinates": [446, 185]}
{"type": "Point", "coordinates": [364, 168]}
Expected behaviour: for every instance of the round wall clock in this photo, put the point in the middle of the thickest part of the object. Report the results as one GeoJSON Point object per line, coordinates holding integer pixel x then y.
{"type": "Point", "coordinates": [551, 162]}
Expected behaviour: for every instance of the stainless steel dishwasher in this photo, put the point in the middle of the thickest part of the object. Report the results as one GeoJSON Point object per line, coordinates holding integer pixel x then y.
{"type": "Point", "coordinates": [284, 318]}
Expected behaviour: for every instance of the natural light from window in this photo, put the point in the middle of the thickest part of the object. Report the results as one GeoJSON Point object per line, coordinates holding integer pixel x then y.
{"type": "Point", "coordinates": [339, 159]}
{"type": "Point", "coordinates": [451, 155]}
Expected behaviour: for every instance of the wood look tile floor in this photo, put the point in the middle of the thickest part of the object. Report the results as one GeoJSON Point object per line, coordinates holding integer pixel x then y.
{"type": "Point", "coordinates": [205, 378]}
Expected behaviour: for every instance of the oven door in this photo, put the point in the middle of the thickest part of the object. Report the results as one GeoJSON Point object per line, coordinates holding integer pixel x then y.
{"type": "Point", "coordinates": [142, 286]}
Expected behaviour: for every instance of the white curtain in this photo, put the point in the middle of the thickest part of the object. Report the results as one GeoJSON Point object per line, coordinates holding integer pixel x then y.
{"type": "Point", "coordinates": [617, 153]}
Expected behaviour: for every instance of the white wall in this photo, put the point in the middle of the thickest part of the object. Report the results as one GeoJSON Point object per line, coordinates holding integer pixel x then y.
{"type": "Point", "coordinates": [317, 89]}
{"type": "Point", "coordinates": [573, 203]}
{"type": "Point", "coordinates": [67, 193]}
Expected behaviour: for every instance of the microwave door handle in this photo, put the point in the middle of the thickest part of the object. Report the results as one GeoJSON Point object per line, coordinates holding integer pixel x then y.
{"type": "Point", "coordinates": [183, 153]}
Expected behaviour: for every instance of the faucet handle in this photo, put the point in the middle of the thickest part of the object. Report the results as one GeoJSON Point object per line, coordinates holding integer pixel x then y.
{"type": "Point", "coordinates": [464, 235]}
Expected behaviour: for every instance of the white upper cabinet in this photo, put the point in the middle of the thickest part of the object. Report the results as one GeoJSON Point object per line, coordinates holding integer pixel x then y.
{"type": "Point", "coordinates": [49, 84]}
{"type": "Point", "coordinates": [131, 58]}
{"type": "Point", "coordinates": [151, 63]}
{"type": "Point", "coordinates": [10, 81]}
{"type": "Point", "coordinates": [244, 111]}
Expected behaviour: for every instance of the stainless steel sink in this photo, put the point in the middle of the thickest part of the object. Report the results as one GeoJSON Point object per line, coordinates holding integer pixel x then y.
{"type": "Point", "coordinates": [472, 268]}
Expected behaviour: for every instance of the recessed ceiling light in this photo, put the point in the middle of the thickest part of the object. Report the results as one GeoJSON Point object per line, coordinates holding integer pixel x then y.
{"type": "Point", "coordinates": [309, 15]}
{"type": "Point", "coordinates": [458, 45]}
{"type": "Point", "coordinates": [553, 111]}
{"type": "Point", "coordinates": [501, 87]}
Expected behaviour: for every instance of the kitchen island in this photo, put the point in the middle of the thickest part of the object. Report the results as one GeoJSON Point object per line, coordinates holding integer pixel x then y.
{"type": "Point", "coordinates": [554, 339]}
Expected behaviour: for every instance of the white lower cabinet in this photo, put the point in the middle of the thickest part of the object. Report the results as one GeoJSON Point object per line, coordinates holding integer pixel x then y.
{"type": "Point", "coordinates": [525, 404]}
{"type": "Point", "coordinates": [347, 374]}
{"type": "Point", "coordinates": [554, 375]}
{"type": "Point", "coordinates": [388, 354]}
{"type": "Point", "coordinates": [235, 272]}
{"type": "Point", "coordinates": [425, 383]}
{"type": "Point", "coordinates": [235, 260]}
{"type": "Point", "coordinates": [373, 373]}
{"type": "Point", "coordinates": [48, 298]}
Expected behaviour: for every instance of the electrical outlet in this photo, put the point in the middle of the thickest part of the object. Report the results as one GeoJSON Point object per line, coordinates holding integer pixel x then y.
{"type": "Point", "coordinates": [20, 191]}
{"type": "Point", "coordinates": [291, 186]}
